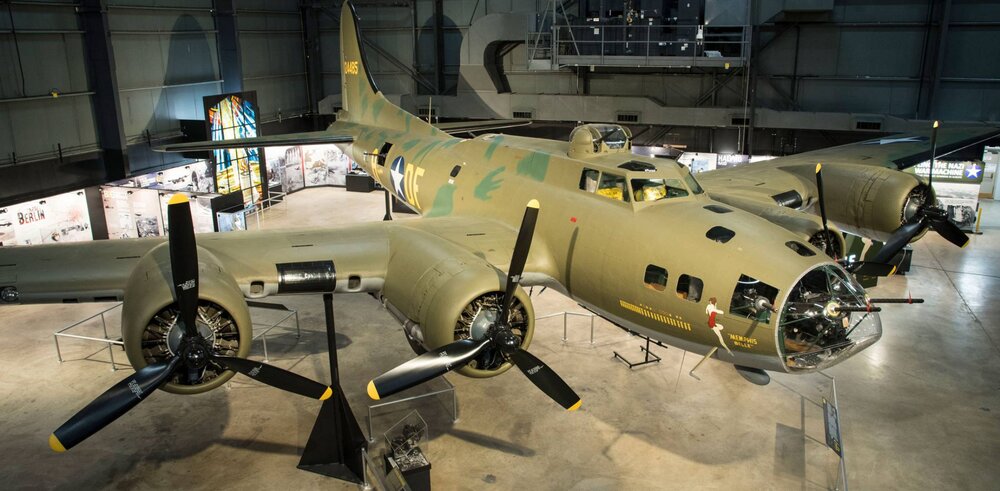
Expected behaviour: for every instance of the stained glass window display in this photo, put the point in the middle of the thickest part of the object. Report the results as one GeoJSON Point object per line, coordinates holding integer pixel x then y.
{"type": "Point", "coordinates": [233, 116]}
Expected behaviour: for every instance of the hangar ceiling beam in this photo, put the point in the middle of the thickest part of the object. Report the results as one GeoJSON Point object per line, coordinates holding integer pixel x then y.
{"type": "Point", "coordinates": [93, 17]}
{"type": "Point", "coordinates": [228, 38]}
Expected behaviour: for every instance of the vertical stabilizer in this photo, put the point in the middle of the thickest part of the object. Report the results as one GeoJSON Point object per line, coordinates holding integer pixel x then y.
{"type": "Point", "coordinates": [362, 102]}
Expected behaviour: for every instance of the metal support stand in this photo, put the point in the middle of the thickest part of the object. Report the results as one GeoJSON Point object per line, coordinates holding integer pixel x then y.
{"type": "Point", "coordinates": [707, 356]}
{"type": "Point", "coordinates": [388, 207]}
{"type": "Point", "coordinates": [336, 445]}
{"type": "Point", "coordinates": [650, 357]}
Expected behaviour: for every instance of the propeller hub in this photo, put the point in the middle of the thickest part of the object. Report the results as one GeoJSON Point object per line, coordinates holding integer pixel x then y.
{"type": "Point", "coordinates": [196, 353]}
{"type": "Point", "coordinates": [506, 341]}
{"type": "Point", "coordinates": [176, 335]}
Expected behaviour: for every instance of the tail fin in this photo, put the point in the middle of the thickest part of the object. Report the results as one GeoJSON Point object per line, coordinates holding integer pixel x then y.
{"type": "Point", "coordinates": [362, 102]}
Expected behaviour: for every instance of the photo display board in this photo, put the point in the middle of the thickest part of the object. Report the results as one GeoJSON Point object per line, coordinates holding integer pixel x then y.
{"type": "Point", "coordinates": [231, 116]}
{"type": "Point", "coordinates": [131, 213]}
{"type": "Point", "coordinates": [195, 177]}
{"type": "Point", "coordinates": [306, 166]}
{"type": "Point", "coordinates": [60, 218]}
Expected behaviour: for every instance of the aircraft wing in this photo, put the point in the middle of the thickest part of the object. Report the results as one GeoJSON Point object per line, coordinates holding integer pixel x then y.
{"type": "Point", "coordinates": [762, 181]}
{"type": "Point", "coordinates": [864, 191]}
{"type": "Point", "coordinates": [458, 127]}
{"type": "Point", "coordinates": [99, 270]}
{"type": "Point", "coordinates": [898, 151]}
{"type": "Point", "coordinates": [289, 139]}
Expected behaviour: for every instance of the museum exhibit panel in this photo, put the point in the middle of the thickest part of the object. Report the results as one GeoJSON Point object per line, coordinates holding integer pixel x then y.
{"type": "Point", "coordinates": [381, 208]}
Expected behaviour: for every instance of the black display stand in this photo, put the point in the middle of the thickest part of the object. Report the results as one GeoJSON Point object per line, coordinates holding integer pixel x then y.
{"type": "Point", "coordinates": [336, 442]}
{"type": "Point", "coordinates": [359, 183]}
{"type": "Point", "coordinates": [650, 356]}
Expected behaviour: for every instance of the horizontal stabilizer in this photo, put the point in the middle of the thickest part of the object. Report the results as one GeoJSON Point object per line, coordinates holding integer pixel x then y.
{"type": "Point", "coordinates": [457, 127]}
{"type": "Point", "coordinates": [290, 139]}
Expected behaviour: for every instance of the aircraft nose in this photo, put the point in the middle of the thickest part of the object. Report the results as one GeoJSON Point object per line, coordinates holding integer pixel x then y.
{"type": "Point", "coordinates": [817, 327]}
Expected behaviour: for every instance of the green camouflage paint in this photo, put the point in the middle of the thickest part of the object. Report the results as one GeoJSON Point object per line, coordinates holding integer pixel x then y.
{"type": "Point", "coordinates": [534, 165]}
{"type": "Point", "coordinates": [444, 201]}
{"type": "Point", "coordinates": [489, 184]}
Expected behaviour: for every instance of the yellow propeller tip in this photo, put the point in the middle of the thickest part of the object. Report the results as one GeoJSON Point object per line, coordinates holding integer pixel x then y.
{"type": "Point", "coordinates": [178, 199]}
{"type": "Point", "coordinates": [372, 391]}
{"type": "Point", "coordinates": [576, 406]}
{"type": "Point", "coordinates": [893, 270]}
{"type": "Point", "coordinates": [326, 395]}
{"type": "Point", "coordinates": [56, 445]}
{"type": "Point", "coordinates": [819, 166]}
{"type": "Point", "coordinates": [967, 242]}
{"type": "Point", "coordinates": [533, 204]}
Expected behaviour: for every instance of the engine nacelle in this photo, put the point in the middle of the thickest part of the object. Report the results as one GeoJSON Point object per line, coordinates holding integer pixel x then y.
{"type": "Point", "coordinates": [149, 316]}
{"type": "Point", "coordinates": [872, 201]}
{"type": "Point", "coordinates": [442, 293]}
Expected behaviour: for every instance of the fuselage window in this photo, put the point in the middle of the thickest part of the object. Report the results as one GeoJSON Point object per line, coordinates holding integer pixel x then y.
{"type": "Point", "coordinates": [657, 189]}
{"type": "Point", "coordinates": [588, 181]}
{"type": "Point", "coordinates": [383, 153]}
{"type": "Point", "coordinates": [612, 186]}
{"type": "Point", "coordinates": [690, 287]}
{"type": "Point", "coordinates": [753, 299]}
{"type": "Point", "coordinates": [655, 278]}
{"type": "Point", "coordinates": [720, 234]}
{"type": "Point", "coordinates": [799, 248]}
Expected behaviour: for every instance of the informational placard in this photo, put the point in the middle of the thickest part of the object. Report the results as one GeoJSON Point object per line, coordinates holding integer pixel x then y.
{"type": "Point", "coordinates": [201, 212]}
{"type": "Point", "coordinates": [59, 218]}
{"type": "Point", "coordinates": [832, 420]}
{"type": "Point", "coordinates": [132, 212]}
{"type": "Point", "coordinates": [956, 184]}
{"type": "Point", "coordinates": [229, 222]}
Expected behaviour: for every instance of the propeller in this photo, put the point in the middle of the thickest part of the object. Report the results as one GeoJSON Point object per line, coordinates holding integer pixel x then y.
{"type": "Point", "coordinates": [193, 354]}
{"type": "Point", "coordinates": [822, 206]}
{"type": "Point", "coordinates": [927, 216]}
{"type": "Point", "coordinates": [499, 336]}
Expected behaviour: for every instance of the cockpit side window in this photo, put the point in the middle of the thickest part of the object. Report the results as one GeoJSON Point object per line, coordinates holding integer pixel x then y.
{"type": "Point", "coordinates": [612, 186]}
{"type": "Point", "coordinates": [693, 184]}
{"type": "Point", "coordinates": [690, 287]}
{"type": "Point", "coordinates": [657, 189]}
{"type": "Point", "coordinates": [655, 278]}
{"type": "Point", "coordinates": [753, 299]}
{"type": "Point", "coordinates": [588, 180]}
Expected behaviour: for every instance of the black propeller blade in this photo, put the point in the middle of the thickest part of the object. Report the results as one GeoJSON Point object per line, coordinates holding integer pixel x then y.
{"type": "Point", "coordinates": [499, 336]}
{"type": "Point", "coordinates": [520, 256]}
{"type": "Point", "coordinates": [546, 379]}
{"type": "Point", "coordinates": [822, 202]}
{"type": "Point", "coordinates": [276, 377]}
{"type": "Point", "coordinates": [113, 403]}
{"type": "Point", "coordinates": [425, 367]}
{"type": "Point", "coordinates": [928, 215]}
{"type": "Point", "coordinates": [193, 353]}
{"type": "Point", "coordinates": [183, 260]}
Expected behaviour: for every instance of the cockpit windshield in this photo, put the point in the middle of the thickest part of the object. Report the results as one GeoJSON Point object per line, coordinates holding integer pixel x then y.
{"type": "Point", "coordinates": [693, 183]}
{"type": "Point", "coordinates": [657, 189]}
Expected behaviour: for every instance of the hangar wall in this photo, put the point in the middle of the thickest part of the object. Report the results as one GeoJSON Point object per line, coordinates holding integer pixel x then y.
{"type": "Point", "coordinates": [819, 65]}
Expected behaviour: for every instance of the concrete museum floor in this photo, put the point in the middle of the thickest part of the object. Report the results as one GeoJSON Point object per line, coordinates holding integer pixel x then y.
{"type": "Point", "coordinates": [919, 409]}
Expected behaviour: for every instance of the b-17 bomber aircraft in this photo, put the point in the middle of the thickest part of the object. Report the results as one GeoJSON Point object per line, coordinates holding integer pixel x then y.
{"type": "Point", "coordinates": [642, 242]}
